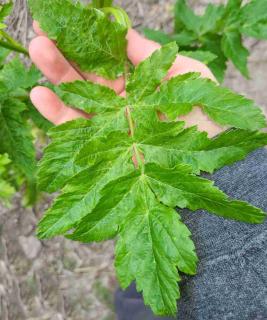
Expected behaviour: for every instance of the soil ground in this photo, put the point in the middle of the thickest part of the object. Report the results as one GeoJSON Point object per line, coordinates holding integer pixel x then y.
{"type": "Point", "coordinates": [63, 280]}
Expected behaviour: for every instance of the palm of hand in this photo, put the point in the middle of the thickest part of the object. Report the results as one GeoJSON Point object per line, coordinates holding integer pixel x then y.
{"type": "Point", "coordinates": [57, 69]}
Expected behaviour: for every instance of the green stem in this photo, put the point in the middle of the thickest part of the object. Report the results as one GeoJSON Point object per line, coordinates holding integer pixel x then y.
{"type": "Point", "coordinates": [130, 121]}
{"type": "Point", "coordinates": [119, 14]}
{"type": "Point", "coordinates": [137, 154]}
{"type": "Point", "coordinates": [11, 44]}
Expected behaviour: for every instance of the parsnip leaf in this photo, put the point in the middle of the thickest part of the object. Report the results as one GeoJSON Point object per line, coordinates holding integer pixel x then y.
{"type": "Point", "coordinates": [122, 172]}
{"type": "Point", "coordinates": [84, 35]}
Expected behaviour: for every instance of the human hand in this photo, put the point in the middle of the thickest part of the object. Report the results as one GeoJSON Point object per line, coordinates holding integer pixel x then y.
{"type": "Point", "coordinates": [58, 69]}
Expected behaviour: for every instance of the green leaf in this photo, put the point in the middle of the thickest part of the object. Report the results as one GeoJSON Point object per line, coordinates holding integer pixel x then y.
{"type": "Point", "coordinates": [90, 97]}
{"type": "Point", "coordinates": [84, 35]}
{"type": "Point", "coordinates": [185, 38]}
{"type": "Point", "coordinates": [3, 55]}
{"type": "Point", "coordinates": [17, 139]}
{"type": "Point", "coordinates": [257, 30]}
{"type": "Point", "coordinates": [218, 66]}
{"type": "Point", "coordinates": [5, 10]}
{"type": "Point", "coordinates": [233, 5]}
{"type": "Point", "coordinates": [203, 56]}
{"type": "Point", "coordinates": [179, 95]}
{"type": "Point", "coordinates": [169, 143]}
{"type": "Point", "coordinates": [121, 173]}
{"type": "Point", "coordinates": [101, 3]}
{"type": "Point", "coordinates": [234, 50]}
{"type": "Point", "coordinates": [254, 11]}
{"type": "Point", "coordinates": [185, 17]}
{"type": "Point", "coordinates": [217, 31]}
{"type": "Point", "coordinates": [149, 73]}
{"type": "Point", "coordinates": [231, 18]}
{"type": "Point", "coordinates": [61, 165]}
{"type": "Point", "coordinates": [254, 19]}
{"type": "Point", "coordinates": [37, 118]}
{"type": "Point", "coordinates": [14, 75]}
{"type": "Point", "coordinates": [157, 35]}
{"type": "Point", "coordinates": [178, 187]}
{"type": "Point", "coordinates": [148, 259]}
{"type": "Point", "coordinates": [212, 16]}
{"type": "Point", "coordinates": [6, 190]}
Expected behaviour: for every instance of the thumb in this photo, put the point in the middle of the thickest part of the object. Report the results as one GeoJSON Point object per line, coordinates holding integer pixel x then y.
{"type": "Point", "coordinates": [139, 48]}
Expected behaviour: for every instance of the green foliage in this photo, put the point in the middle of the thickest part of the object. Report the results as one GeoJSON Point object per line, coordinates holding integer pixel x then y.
{"type": "Point", "coordinates": [5, 10]}
{"type": "Point", "coordinates": [6, 189]}
{"type": "Point", "coordinates": [18, 117]}
{"type": "Point", "coordinates": [15, 130]}
{"type": "Point", "coordinates": [122, 172]}
{"type": "Point", "coordinates": [219, 31]}
{"type": "Point", "coordinates": [84, 34]}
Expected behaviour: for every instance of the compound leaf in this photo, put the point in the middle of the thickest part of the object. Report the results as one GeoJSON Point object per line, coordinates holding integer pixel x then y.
{"type": "Point", "coordinates": [122, 172]}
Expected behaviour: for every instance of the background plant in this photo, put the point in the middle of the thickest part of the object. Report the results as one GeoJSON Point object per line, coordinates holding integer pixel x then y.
{"type": "Point", "coordinates": [18, 118]}
{"type": "Point", "coordinates": [217, 36]}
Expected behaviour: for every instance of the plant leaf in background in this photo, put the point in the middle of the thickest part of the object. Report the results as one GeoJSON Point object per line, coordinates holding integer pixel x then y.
{"type": "Point", "coordinates": [203, 56]}
{"type": "Point", "coordinates": [16, 137]}
{"type": "Point", "coordinates": [6, 189]}
{"type": "Point", "coordinates": [254, 19]}
{"type": "Point", "coordinates": [123, 172]}
{"type": "Point", "coordinates": [3, 55]}
{"type": "Point", "coordinates": [218, 31]}
{"type": "Point", "coordinates": [84, 35]}
{"type": "Point", "coordinates": [5, 10]}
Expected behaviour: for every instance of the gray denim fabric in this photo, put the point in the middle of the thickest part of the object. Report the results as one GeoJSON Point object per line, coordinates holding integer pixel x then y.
{"type": "Point", "coordinates": [231, 283]}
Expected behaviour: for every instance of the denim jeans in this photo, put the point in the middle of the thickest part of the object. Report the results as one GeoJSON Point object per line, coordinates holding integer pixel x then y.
{"type": "Point", "coordinates": [231, 283]}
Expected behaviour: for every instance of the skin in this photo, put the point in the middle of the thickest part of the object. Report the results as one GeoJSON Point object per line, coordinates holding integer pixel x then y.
{"type": "Point", "coordinates": [46, 56]}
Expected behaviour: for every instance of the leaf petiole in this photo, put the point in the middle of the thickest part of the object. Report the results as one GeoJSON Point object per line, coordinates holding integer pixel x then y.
{"type": "Point", "coordinates": [11, 44]}
{"type": "Point", "coordinates": [138, 158]}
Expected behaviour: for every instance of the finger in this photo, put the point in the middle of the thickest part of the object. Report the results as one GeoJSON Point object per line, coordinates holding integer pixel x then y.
{"type": "Point", "coordinates": [37, 29]}
{"type": "Point", "coordinates": [203, 122]}
{"type": "Point", "coordinates": [51, 62]}
{"type": "Point", "coordinates": [140, 48]}
{"type": "Point", "coordinates": [117, 85]}
{"type": "Point", "coordinates": [184, 65]}
{"type": "Point", "coordinates": [52, 108]}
